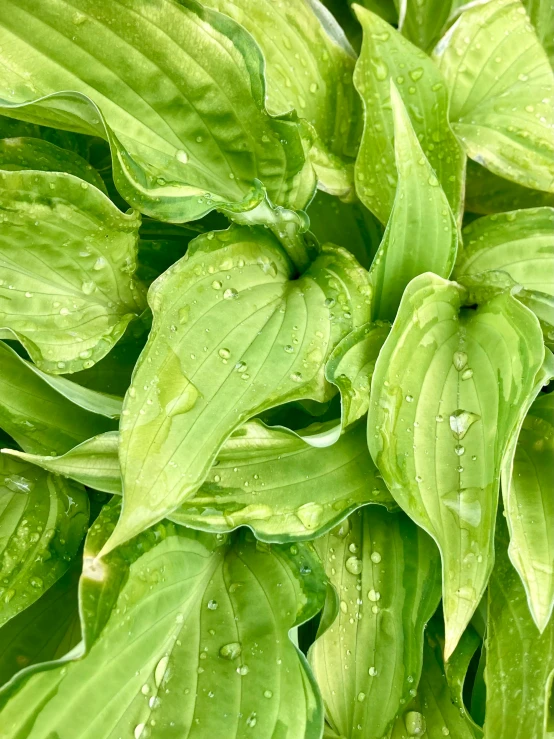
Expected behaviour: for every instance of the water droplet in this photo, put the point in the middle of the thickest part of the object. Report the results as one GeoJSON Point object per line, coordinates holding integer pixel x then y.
{"type": "Point", "coordinates": [296, 377]}
{"type": "Point", "coordinates": [374, 595]}
{"type": "Point", "coordinates": [181, 156]}
{"type": "Point", "coordinates": [445, 731]}
{"type": "Point", "coordinates": [461, 421]}
{"type": "Point", "coordinates": [88, 287]}
{"type": "Point", "coordinates": [361, 697]}
{"type": "Point", "coordinates": [145, 689]}
{"type": "Point", "coordinates": [415, 723]}
{"type": "Point", "coordinates": [217, 285]}
{"type": "Point", "coordinates": [459, 360]}
{"type": "Point", "coordinates": [416, 74]}
{"type": "Point", "coordinates": [310, 515]}
{"type": "Point", "coordinates": [467, 374]}
{"type": "Point", "coordinates": [353, 548]}
{"type": "Point", "coordinates": [251, 720]}
{"type": "Point", "coordinates": [230, 651]}
{"type": "Point", "coordinates": [354, 565]}
{"type": "Point", "coordinates": [224, 353]}
{"type": "Point", "coordinates": [160, 670]}
{"type": "Point", "coordinates": [139, 728]}
{"type": "Point", "coordinates": [409, 398]}
{"type": "Point", "coordinates": [459, 449]}
{"type": "Point", "coordinates": [230, 293]}
{"type": "Point", "coordinates": [372, 672]}
{"type": "Point", "coordinates": [376, 557]}
{"type": "Point", "coordinates": [289, 349]}
{"type": "Point", "coordinates": [268, 694]}
{"type": "Point", "coordinates": [243, 670]}
{"type": "Point", "coordinates": [99, 264]}
{"type": "Point", "coordinates": [344, 606]}
{"type": "Point", "coordinates": [212, 605]}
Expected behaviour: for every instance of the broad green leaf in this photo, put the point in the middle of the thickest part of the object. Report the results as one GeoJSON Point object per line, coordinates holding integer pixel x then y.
{"type": "Point", "coordinates": [386, 571]}
{"type": "Point", "coordinates": [501, 87]}
{"type": "Point", "coordinates": [421, 234]}
{"type": "Point", "coordinates": [520, 660]}
{"type": "Point", "coordinates": [208, 621]}
{"type": "Point", "coordinates": [43, 519]}
{"type": "Point", "coordinates": [350, 367]}
{"type": "Point", "coordinates": [432, 714]}
{"type": "Point", "coordinates": [423, 21]}
{"type": "Point", "coordinates": [269, 479]}
{"type": "Point", "coordinates": [46, 630]}
{"type": "Point", "coordinates": [541, 13]}
{"type": "Point", "coordinates": [40, 418]}
{"type": "Point", "coordinates": [350, 225]}
{"type": "Point", "coordinates": [29, 153]}
{"type": "Point", "coordinates": [519, 244]}
{"type": "Point", "coordinates": [528, 492]}
{"type": "Point", "coordinates": [487, 193]}
{"type": "Point", "coordinates": [386, 9]}
{"type": "Point", "coordinates": [67, 260]}
{"type": "Point", "coordinates": [448, 393]}
{"type": "Point", "coordinates": [309, 66]}
{"type": "Point", "coordinates": [267, 342]}
{"type": "Point", "coordinates": [386, 56]}
{"type": "Point", "coordinates": [94, 462]}
{"type": "Point", "coordinates": [181, 144]}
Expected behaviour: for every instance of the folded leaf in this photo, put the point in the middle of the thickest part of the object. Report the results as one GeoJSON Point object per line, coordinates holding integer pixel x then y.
{"type": "Point", "coordinates": [181, 143]}
{"type": "Point", "coordinates": [423, 21]}
{"type": "Point", "coordinates": [501, 87]}
{"type": "Point", "coordinates": [350, 225]}
{"type": "Point", "coordinates": [432, 714]}
{"type": "Point", "coordinates": [350, 367]}
{"type": "Point", "coordinates": [520, 660]}
{"type": "Point", "coordinates": [309, 66]}
{"type": "Point", "coordinates": [29, 153]}
{"type": "Point", "coordinates": [44, 631]}
{"type": "Point", "coordinates": [43, 519]}
{"type": "Point", "coordinates": [386, 571]}
{"type": "Point", "coordinates": [207, 620]}
{"type": "Point", "coordinates": [421, 234]}
{"type": "Point", "coordinates": [386, 56]}
{"type": "Point", "coordinates": [528, 491]}
{"type": "Point", "coordinates": [448, 393]}
{"type": "Point", "coordinates": [43, 414]}
{"type": "Point", "coordinates": [488, 193]}
{"type": "Point", "coordinates": [232, 336]}
{"type": "Point", "coordinates": [67, 259]}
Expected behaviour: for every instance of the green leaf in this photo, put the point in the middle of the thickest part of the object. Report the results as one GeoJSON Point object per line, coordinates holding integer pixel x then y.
{"type": "Point", "coordinates": [386, 56]}
{"type": "Point", "coordinates": [528, 492]}
{"type": "Point", "coordinates": [447, 395]}
{"type": "Point", "coordinates": [67, 257]}
{"type": "Point", "coordinates": [520, 660]}
{"type": "Point", "coordinates": [541, 13]}
{"type": "Point", "coordinates": [423, 21]}
{"type": "Point", "coordinates": [487, 193]}
{"type": "Point", "coordinates": [208, 621]}
{"type": "Point", "coordinates": [421, 234]}
{"type": "Point", "coordinates": [501, 87]}
{"type": "Point", "coordinates": [386, 9]}
{"type": "Point", "coordinates": [350, 367]}
{"type": "Point", "coordinates": [456, 669]}
{"type": "Point", "coordinates": [386, 571]}
{"type": "Point", "coordinates": [46, 630]}
{"type": "Point", "coordinates": [267, 343]}
{"type": "Point", "coordinates": [433, 713]}
{"type": "Point", "coordinates": [350, 225]}
{"type": "Point", "coordinates": [38, 412]}
{"type": "Point", "coordinates": [43, 519]}
{"type": "Point", "coordinates": [181, 144]}
{"type": "Point", "coordinates": [521, 245]}
{"type": "Point", "coordinates": [309, 66]}
{"type": "Point", "coordinates": [94, 462]}
{"type": "Point", "coordinates": [29, 153]}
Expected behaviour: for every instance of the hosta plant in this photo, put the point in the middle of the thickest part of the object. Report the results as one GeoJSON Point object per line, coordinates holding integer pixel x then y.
{"type": "Point", "coordinates": [276, 321]}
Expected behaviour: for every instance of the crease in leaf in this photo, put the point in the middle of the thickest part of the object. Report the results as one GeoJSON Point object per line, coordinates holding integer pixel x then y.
{"type": "Point", "coordinates": [180, 588]}
{"type": "Point", "coordinates": [421, 233]}
{"type": "Point", "coordinates": [440, 361]}
{"type": "Point", "coordinates": [387, 56]}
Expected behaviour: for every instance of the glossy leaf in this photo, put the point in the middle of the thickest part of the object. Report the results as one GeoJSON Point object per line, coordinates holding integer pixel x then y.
{"type": "Point", "coordinates": [350, 367]}
{"type": "Point", "coordinates": [386, 56]}
{"type": "Point", "coordinates": [268, 340]}
{"type": "Point", "coordinates": [528, 490]}
{"type": "Point", "coordinates": [448, 392]}
{"type": "Point", "coordinates": [40, 418]}
{"type": "Point", "coordinates": [67, 258]}
{"type": "Point", "coordinates": [350, 225]}
{"type": "Point", "coordinates": [29, 153]}
{"type": "Point", "coordinates": [432, 714]}
{"type": "Point", "coordinates": [421, 234]}
{"type": "Point", "coordinates": [488, 193]}
{"type": "Point", "coordinates": [501, 87]}
{"type": "Point", "coordinates": [46, 630]}
{"type": "Point", "coordinates": [520, 660]}
{"type": "Point", "coordinates": [181, 143]}
{"type": "Point", "coordinates": [423, 21]}
{"type": "Point", "coordinates": [208, 620]}
{"type": "Point", "coordinates": [309, 66]}
{"type": "Point", "coordinates": [94, 462]}
{"type": "Point", "coordinates": [387, 574]}
{"type": "Point", "coordinates": [43, 519]}
{"type": "Point", "coordinates": [541, 13]}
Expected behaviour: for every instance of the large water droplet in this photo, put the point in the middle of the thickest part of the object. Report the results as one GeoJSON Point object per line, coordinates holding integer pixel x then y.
{"type": "Point", "coordinates": [230, 651]}
{"type": "Point", "coordinates": [181, 156]}
{"type": "Point", "coordinates": [354, 565]}
{"type": "Point", "coordinates": [212, 605]}
{"type": "Point", "coordinates": [160, 670]}
{"type": "Point", "coordinates": [459, 360]}
{"type": "Point", "coordinates": [415, 723]}
{"type": "Point", "coordinates": [310, 515]}
{"type": "Point", "coordinates": [461, 421]}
